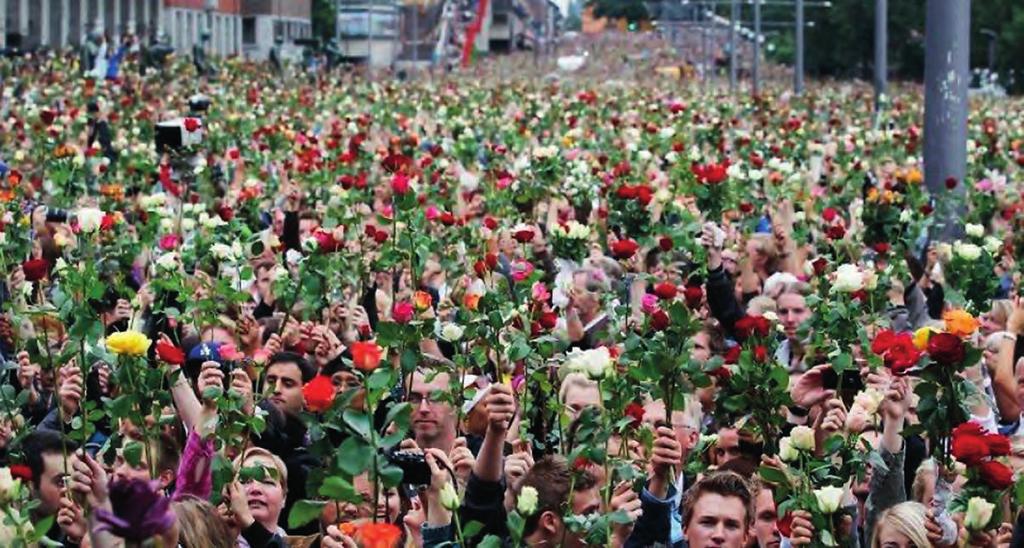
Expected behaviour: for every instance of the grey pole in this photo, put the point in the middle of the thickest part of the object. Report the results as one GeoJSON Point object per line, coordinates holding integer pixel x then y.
{"type": "Point", "coordinates": [734, 16]}
{"type": "Point", "coordinates": [755, 72]}
{"type": "Point", "coordinates": [798, 65]}
{"type": "Point", "coordinates": [416, 36]}
{"type": "Point", "coordinates": [369, 38]}
{"type": "Point", "coordinates": [881, 43]}
{"type": "Point", "coordinates": [946, 76]}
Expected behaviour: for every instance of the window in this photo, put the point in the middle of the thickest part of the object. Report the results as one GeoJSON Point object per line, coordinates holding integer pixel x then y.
{"type": "Point", "coordinates": [249, 30]}
{"type": "Point", "coordinates": [354, 23]}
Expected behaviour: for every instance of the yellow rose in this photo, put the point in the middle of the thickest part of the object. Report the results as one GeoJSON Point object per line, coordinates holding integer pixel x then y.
{"type": "Point", "coordinates": [129, 343]}
{"type": "Point", "coordinates": [921, 337]}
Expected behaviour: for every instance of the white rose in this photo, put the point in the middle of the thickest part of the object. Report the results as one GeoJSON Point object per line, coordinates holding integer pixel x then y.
{"type": "Point", "coordinates": [667, 132]}
{"type": "Point", "coordinates": [78, 160]}
{"type": "Point", "coordinates": [19, 155]}
{"type": "Point", "coordinates": [526, 502]}
{"type": "Point", "coordinates": [967, 251]}
{"type": "Point", "coordinates": [222, 251]}
{"type": "Point", "coordinates": [188, 225]}
{"type": "Point", "coordinates": [8, 485]}
{"type": "Point", "coordinates": [848, 279]}
{"type": "Point", "coordinates": [802, 437]}
{"type": "Point", "coordinates": [787, 452]}
{"type": "Point", "coordinates": [944, 250]}
{"type": "Point", "coordinates": [593, 363]}
{"type": "Point", "coordinates": [211, 222]}
{"type": "Point", "coordinates": [644, 155]}
{"type": "Point", "coordinates": [770, 316]}
{"type": "Point", "coordinates": [671, 157]}
{"type": "Point", "coordinates": [905, 216]}
{"type": "Point", "coordinates": [979, 513]}
{"type": "Point", "coordinates": [89, 219]}
{"type": "Point", "coordinates": [829, 498]}
{"type": "Point", "coordinates": [60, 265]}
{"type": "Point", "coordinates": [449, 497]}
{"type": "Point", "coordinates": [869, 400]}
{"type": "Point", "coordinates": [974, 230]}
{"type": "Point", "coordinates": [168, 261]}
{"type": "Point", "coordinates": [993, 245]}
{"type": "Point", "coordinates": [451, 332]}
{"type": "Point", "coordinates": [292, 256]}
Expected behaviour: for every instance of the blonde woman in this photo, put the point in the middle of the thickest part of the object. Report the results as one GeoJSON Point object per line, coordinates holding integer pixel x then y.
{"type": "Point", "coordinates": [905, 525]}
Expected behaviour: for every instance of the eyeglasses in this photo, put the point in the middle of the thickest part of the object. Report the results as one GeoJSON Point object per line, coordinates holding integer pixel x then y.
{"type": "Point", "coordinates": [416, 398]}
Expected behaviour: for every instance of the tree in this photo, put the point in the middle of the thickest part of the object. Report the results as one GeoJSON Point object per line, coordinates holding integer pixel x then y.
{"type": "Point", "coordinates": [632, 11]}
{"type": "Point", "coordinates": [323, 19]}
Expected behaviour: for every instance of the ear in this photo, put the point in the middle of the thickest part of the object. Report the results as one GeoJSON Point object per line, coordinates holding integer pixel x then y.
{"type": "Point", "coordinates": [550, 523]}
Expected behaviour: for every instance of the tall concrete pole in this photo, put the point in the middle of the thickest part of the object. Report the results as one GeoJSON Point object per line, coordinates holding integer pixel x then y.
{"type": "Point", "coordinates": [755, 72]}
{"type": "Point", "coordinates": [881, 43]}
{"type": "Point", "coordinates": [3, 23]}
{"type": "Point", "coordinates": [798, 65]}
{"type": "Point", "coordinates": [946, 76]}
{"type": "Point", "coordinates": [734, 17]}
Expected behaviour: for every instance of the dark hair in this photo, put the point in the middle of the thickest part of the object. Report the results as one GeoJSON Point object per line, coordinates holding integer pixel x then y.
{"type": "Point", "coordinates": [725, 484]}
{"type": "Point", "coordinates": [43, 442]}
{"type": "Point", "coordinates": [552, 479]}
{"type": "Point", "coordinates": [307, 370]}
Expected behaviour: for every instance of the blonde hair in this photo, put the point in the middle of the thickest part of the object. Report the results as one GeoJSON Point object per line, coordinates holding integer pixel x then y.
{"type": "Point", "coordinates": [923, 478]}
{"type": "Point", "coordinates": [282, 471]}
{"type": "Point", "coordinates": [1000, 311]}
{"type": "Point", "coordinates": [907, 518]}
{"type": "Point", "coordinates": [761, 304]}
{"type": "Point", "coordinates": [199, 524]}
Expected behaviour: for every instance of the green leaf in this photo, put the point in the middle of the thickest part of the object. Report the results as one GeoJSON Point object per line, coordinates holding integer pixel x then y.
{"type": "Point", "coordinates": [358, 422]}
{"type": "Point", "coordinates": [354, 456]}
{"type": "Point", "coordinates": [305, 511]}
{"type": "Point", "coordinates": [132, 452]}
{"type": "Point", "coordinates": [391, 475]}
{"type": "Point", "coordinates": [337, 488]}
{"type": "Point", "coordinates": [773, 475]}
{"type": "Point", "coordinates": [472, 529]}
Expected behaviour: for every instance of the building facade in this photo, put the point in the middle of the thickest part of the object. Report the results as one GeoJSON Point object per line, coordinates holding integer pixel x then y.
{"type": "Point", "coordinates": [237, 27]}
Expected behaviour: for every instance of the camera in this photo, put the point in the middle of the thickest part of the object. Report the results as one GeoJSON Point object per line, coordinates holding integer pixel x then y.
{"type": "Point", "coordinates": [413, 465]}
{"type": "Point", "coordinates": [171, 135]}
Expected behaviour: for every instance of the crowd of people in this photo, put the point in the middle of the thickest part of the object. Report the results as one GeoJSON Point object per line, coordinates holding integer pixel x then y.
{"type": "Point", "coordinates": [500, 310]}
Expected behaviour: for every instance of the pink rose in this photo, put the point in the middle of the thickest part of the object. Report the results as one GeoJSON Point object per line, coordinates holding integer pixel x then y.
{"type": "Point", "coordinates": [540, 292]}
{"type": "Point", "coordinates": [402, 312]}
{"type": "Point", "coordinates": [169, 242]}
{"type": "Point", "coordinates": [432, 213]}
{"type": "Point", "coordinates": [649, 303]}
{"type": "Point", "coordinates": [521, 270]}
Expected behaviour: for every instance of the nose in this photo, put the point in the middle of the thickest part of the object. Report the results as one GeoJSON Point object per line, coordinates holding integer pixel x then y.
{"type": "Point", "coordinates": [424, 406]}
{"type": "Point", "coordinates": [719, 533]}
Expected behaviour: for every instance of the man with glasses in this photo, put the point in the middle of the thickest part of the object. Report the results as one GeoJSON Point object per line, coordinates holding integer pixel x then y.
{"type": "Point", "coordinates": [433, 421]}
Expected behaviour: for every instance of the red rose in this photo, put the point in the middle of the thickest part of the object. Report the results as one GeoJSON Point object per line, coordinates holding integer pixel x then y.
{"type": "Point", "coordinates": [926, 209]}
{"type": "Point", "coordinates": [636, 412]}
{"type": "Point", "coordinates": [748, 326]}
{"type": "Point", "coordinates": [722, 373]}
{"type": "Point", "coordinates": [829, 214]}
{"type": "Point", "coordinates": [785, 525]}
{"type": "Point", "coordinates": [192, 124]}
{"type": "Point", "coordinates": [626, 192]}
{"type": "Point", "coordinates": [480, 267]}
{"type": "Point", "coordinates": [580, 464]}
{"type": "Point", "coordinates": [836, 232]}
{"type": "Point", "coordinates": [624, 249]}
{"type": "Point", "coordinates": [35, 269]}
{"type": "Point", "coordinates": [108, 221]}
{"type": "Point", "coordinates": [326, 242]}
{"type": "Point", "coordinates": [370, 231]}
{"type": "Point", "coordinates": [950, 183]}
{"type": "Point", "coordinates": [400, 184]}
{"type": "Point", "coordinates": [998, 445]}
{"type": "Point", "coordinates": [746, 207]}
{"type": "Point", "coordinates": [490, 223]}
{"type": "Point", "coordinates": [665, 243]}
{"type": "Point", "coordinates": [883, 340]}
{"type": "Point", "coordinates": [318, 394]}
{"type": "Point", "coordinates": [402, 312]}
{"type": "Point", "coordinates": [21, 471]}
{"type": "Point", "coordinates": [946, 349]}
{"type": "Point", "coordinates": [881, 248]}
{"type": "Point", "coordinates": [859, 295]}
{"type": "Point", "coordinates": [548, 320]}
{"type": "Point", "coordinates": [447, 218]}
{"type": "Point", "coordinates": [713, 174]}
{"type": "Point", "coordinates": [666, 291]}
{"type": "Point", "coordinates": [659, 320]}
{"type": "Point", "coordinates": [996, 474]}
{"type": "Point", "coordinates": [380, 236]}
{"type": "Point", "coordinates": [48, 116]}
{"type": "Point", "coordinates": [492, 260]}
{"type": "Point", "coordinates": [902, 354]}
{"type": "Point", "coordinates": [820, 265]}
{"type": "Point", "coordinates": [644, 194]}
{"type": "Point", "coordinates": [969, 445]}
{"type": "Point", "coordinates": [168, 353]}
{"type": "Point", "coordinates": [760, 354]}
{"type": "Point", "coordinates": [523, 235]}
{"type": "Point", "coordinates": [694, 295]}
{"type": "Point", "coordinates": [226, 213]}
{"type": "Point", "coordinates": [732, 355]}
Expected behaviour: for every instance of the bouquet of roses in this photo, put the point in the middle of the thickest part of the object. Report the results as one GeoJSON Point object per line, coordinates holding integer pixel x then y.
{"type": "Point", "coordinates": [970, 272]}
{"type": "Point", "coordinates": [628, 209]}
{"type": "Point", "coordinates": [988, 479]}
{"type": "Point", "coordinates": [713, 189]}
{"type": "Point", "coordinates": [816, 481]}
{"type": "Point", "coordinates": [569, 240]}
{"type": "Point", "coordinates": [752, 383]}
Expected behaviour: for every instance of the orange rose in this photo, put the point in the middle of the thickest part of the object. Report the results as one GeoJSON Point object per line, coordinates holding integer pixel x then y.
{"type": "Point", "coordinates": [348, 528]}
{"type": "Point", "coordinates": [471, 301]}
{"type": "Point", "coordinates": [366, 356]}
{"type": "Point", "coordinates": [960, 323]}
{"type": "Point", "coordinates": [422, 300]}
{"type": "Point", "coordinates": [378, 535]}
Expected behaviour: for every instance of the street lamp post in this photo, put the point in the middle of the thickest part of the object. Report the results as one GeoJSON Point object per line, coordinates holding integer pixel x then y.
{"type": "Point", "coordinates": [798, 65]}
{"type": "Point", "coordinates": [755, 72]}
{"type": "Point", "coordinates": [734, 9]}
{"type": "Point", "coordinates": [881, 59]}
{"type": "Point", "coordinates": [946, 76]}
